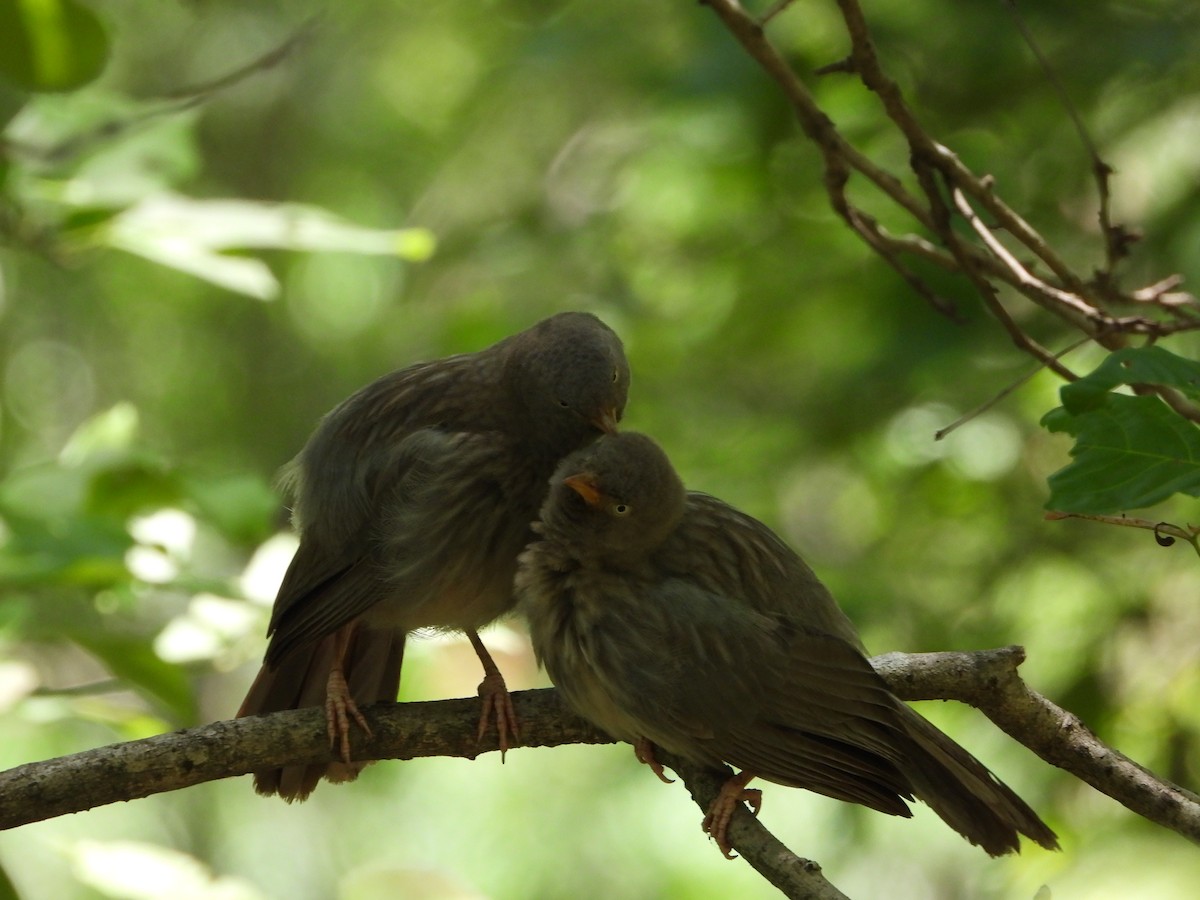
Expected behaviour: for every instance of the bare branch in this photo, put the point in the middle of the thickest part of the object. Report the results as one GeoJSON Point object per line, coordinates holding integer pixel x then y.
{"type": "Point", "coordinates": [1116, 238]}
{"type": "Point", "coordinates": [301, 36]}
{"type": "Point", "coordinates": [986, 679]}
{"type": "Point", "coordinates": [984, 407]}
{"type": "Point", "coordinates": [168, 104]}
{"type": "Point", "coordinates": [794, 876]}
{"type": "Point", "coordinates": [1166, 533]}
{"type": "Point", "coordinates": [926, 149]}
{"type": "Point", "coordinates": [988, 264]}
{"type": "Point", "coordinates": [168, 762]}
{"type": "Point", "coordinates": [1162, 293]}
{"type": "Point", "coordinates": [1033, 286]}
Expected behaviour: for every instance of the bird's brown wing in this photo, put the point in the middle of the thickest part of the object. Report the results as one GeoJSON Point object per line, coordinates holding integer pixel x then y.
{"type": "Point", "coordinates": [827, 722]}
{"type": "Point", "coordinates": [313, 571]}
{"type": "Point", "coordinates": [716, 680]}
{"type": "Point", "coordinates": [326, 586]}
{"type": "Point", "coordinates": [729, 553]}
{"type": "Point", "coordinates": [358, 452]}
{"type": "Point", "coordinates": [441, 498]}
{"type": "Point", "coordinates": [823, 719]}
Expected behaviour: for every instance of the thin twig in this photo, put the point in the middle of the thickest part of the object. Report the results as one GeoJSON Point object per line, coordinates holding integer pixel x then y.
{"type": "Point", "coordinates": [775, 9]}
{"type": "Point", "coordinates": [981, 409]}
{"type": "Point", "coordinates": [870, 231]}
{"type": "Point", "coordinates": [1069, 300]}
{"type": "Point", "coordinates": [1116, 239]}
{"type": "Point", "coordinates": [268, 60]}
{"type": "Point", "coordinates": [1164, 532]}
{"type": "Point", "coordinates": [1033, 287]}
{"type": "Point", "coordinates": [168, 104]}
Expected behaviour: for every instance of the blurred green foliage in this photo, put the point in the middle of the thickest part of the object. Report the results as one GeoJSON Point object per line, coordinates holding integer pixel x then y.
{"type": "Point", "coordinates": [50, 45]}
{"type": "Point", "coordinates": [195, 267]}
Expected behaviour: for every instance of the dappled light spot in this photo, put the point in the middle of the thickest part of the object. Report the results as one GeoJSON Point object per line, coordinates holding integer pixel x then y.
{"type": "Point", "coordinates": [985, 448]}
{"type": "Point", "coordinates": [207, 630]}
{"type": "Point", "coordinates": [260, 579]}
{"type": "Point", "coordinates": [910, 434]}
{"type": "Point", "coordinates": [335, 297]}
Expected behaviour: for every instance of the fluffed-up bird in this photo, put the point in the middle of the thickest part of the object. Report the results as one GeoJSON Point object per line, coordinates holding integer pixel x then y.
{"type": "Point", "coordinates": [412, 500]}
{"type": "Point", "coordinates": [670, 619]}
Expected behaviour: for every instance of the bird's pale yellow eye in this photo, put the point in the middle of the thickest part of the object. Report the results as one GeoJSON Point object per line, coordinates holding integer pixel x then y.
{"type": "Point", "coordinates": [621, 509]}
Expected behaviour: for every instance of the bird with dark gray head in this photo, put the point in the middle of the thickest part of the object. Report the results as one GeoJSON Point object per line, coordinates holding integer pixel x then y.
{"type": "Point", "coordinates": [412, 500]}
{"type": "Point", "coordinates": [672, 620]}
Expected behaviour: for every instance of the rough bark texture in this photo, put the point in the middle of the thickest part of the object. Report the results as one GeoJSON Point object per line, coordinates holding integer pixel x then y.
{"type": "Point", "coordinates": [986, 679]}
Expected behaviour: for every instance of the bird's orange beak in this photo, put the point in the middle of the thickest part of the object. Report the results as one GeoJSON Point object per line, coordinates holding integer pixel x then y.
{"type": "Point", "coordinates": [585, 487]}
{"type": "Point", "coordinates": [607, 420]}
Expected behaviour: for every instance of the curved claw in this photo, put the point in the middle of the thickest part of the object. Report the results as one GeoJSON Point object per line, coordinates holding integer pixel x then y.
{"type": "Point", "coordinates": [496, 700]}
{"type": "Point", "coordinates": [721, 810]}
{"type": "Point", "coordinates": [340, 708]}
{"type": "Point", "coordinates": [753, 798]}
{"type": "Point", "coordinates": [644, 751]}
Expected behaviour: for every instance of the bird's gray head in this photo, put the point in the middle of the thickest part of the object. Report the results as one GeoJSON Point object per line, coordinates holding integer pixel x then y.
{"type": "Point", "coordinates": [570, 380]}
{"type": "Point", "coordinates": [616, 500]}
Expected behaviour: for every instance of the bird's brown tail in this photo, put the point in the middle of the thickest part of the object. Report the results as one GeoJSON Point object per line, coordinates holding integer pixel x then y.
{"type": "Point", "coordinates": [372, 669]}
{"type": "Point", "coordinates": [968, 797]}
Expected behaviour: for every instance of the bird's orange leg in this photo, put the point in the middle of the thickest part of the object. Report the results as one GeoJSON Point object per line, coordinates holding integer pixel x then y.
{"type": "Point", "coordinates": [644, 751]}
{"type": "Point", "coordinates": [340, 707]}
{"type": "Point", "coordinates": [496, 699]}
{"type": "Point", "coordinates": [720, 812]}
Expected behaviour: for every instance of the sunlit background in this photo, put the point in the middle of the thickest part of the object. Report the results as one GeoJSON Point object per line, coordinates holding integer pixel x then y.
{"type": "Point", "coordinates": [185, 287]}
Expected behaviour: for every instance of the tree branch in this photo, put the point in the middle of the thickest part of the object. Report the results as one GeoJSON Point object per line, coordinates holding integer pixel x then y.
{"type": "Point", "coordinates": [986, 679]}
{"type": "Point", "coordinates": [795, 876]}
{"type": "Point", "coordinates": [1080, 302]}
{"type": "Point", "coordinates": [168, 762]}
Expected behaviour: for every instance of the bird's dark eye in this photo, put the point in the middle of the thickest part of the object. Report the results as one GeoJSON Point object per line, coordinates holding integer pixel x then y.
{"type": "Point", "coordinates": [564, 404]}
{"type": "Point", "coordinates": [621, 509]}
{"type": "Point", "coordinates": [616, 375]}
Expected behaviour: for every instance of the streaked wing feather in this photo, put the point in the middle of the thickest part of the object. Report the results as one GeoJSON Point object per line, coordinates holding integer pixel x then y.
{"type": "Point", "coordinates": [321, 594]}
{"type": "Point", "coordinates": [725, 551]}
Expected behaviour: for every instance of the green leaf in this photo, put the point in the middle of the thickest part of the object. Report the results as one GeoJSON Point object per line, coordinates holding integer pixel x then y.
{"type": "Point", "coordinates": [1140, 365]}
{"type": "Point", "coordinates": [50, 45]}
{"type": "Point", "coordinates": [190, 235]}
{"type": "Point", "coordinates": [1129, 452]}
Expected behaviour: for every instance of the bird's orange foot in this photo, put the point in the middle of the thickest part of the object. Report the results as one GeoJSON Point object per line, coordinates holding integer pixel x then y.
{"type": "Point", "coordinates": [497, 702]}
{"type": "Point", "coordinates": [340, 708]}
{"type": "Point", "coordinates": [644, 751]}
{"type": "Point", "coordinates": [720, 812]}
